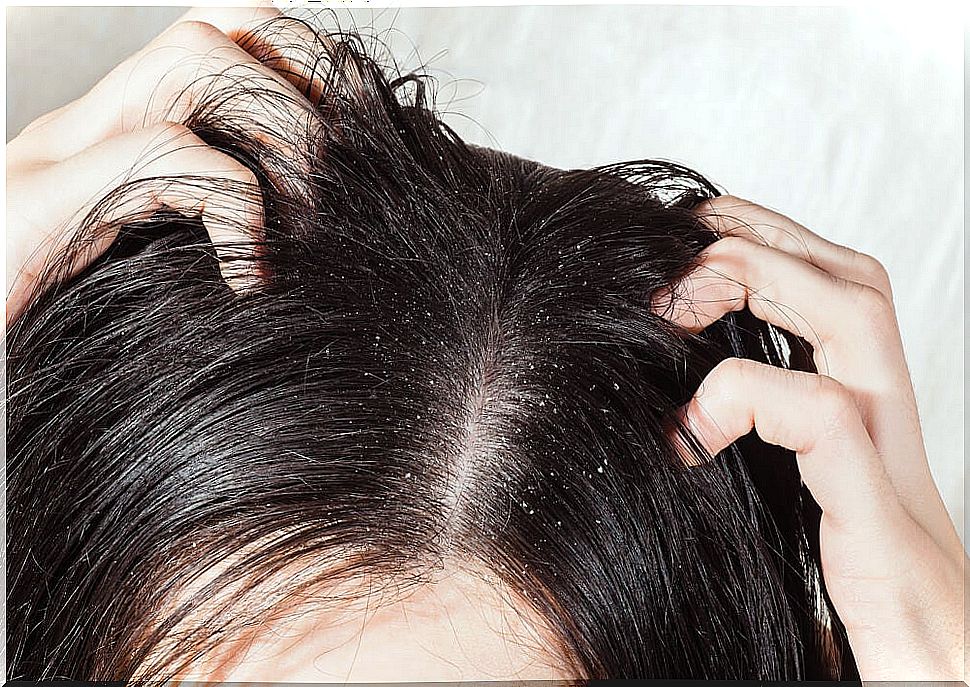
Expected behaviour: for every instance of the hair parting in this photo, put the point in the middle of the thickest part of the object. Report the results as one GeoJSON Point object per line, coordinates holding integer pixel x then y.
{"type": "Point", "coordinates": [451, 358]}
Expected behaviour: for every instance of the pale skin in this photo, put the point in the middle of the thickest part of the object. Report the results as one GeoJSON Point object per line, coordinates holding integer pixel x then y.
{"type": "Point", "coordinates": [892, 560]}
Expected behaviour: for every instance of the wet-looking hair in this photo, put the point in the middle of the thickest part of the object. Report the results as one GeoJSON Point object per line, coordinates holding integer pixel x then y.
{"type": "Point", "coordinates": [451, 355]}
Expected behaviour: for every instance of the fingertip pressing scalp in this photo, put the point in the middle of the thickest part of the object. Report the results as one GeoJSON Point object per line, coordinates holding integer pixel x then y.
{"type": "Point", "coordinates": [452, 354]}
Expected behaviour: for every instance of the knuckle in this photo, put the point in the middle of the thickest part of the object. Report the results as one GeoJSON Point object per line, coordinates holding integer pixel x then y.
{"type": "Point", "coordinates": [730, 371]}
{"type": "Point", "coordinates": [876, 271]}
{"type": "Point", "coordinates": [871, 307]}
{"type": "Point", "coordinates": [194, 33]}
{"type": "Point", "coordinates": [712, 210]}
{"type": "Point", "coordinates": [170, 140]}
{"type": "Point", "coordinates": [729, 245]}
{"type": "Point", "coordinates": [243, 174]}
{"type": "Point", "coordinates": [173, 132]}
{"type": "Point", "coordinates": [196, 157]}
{"type": "Point", "coordinates": [228, 167]}
{"type": "Point", "coordinates": [175, 141]}
{"type": "Point", "coordinates": [830, 391]}
{"type": "Point", "coordinates": [834, 404]}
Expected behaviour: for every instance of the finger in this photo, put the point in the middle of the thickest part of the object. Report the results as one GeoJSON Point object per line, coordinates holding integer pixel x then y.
{"type": "Point", "coordinates": [777, 287]}
{"type": "Point", "coordinates": [867, 536]}
{"type": "Point", "coordinates": [185, 65]}
{"type": "Point", "coordinates": [198, 181]}
{"type": "Point", "coordinates": [289, 46]}
{"type": "Point", "coordinates": [855, 339]}
{"type": "Point", "coordinates": [812, 415]}
{"type": "Point", "coordinates": [240, 16]}
{"type": "Point", "coordinates": [733, 216]}
{"type": "Point", "coordinates": [850, 326]}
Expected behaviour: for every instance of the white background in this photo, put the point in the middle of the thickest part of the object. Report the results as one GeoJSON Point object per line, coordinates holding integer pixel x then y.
{"type": "Point", "coordinates": [849, 121]}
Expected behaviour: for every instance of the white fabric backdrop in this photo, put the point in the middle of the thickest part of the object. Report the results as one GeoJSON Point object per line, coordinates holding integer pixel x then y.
{"type": "Point", "coordinates": [849, 121]}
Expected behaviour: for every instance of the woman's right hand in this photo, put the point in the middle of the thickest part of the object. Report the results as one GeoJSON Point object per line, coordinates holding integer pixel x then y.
{"type": "Point", "coordinates": [892, 561]}
{"type": "Point", "coordinates": [130, 127]}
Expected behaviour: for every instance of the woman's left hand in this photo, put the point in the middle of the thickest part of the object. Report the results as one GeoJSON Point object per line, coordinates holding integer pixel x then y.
{"type": "Point", "coordinates": [891, 558]}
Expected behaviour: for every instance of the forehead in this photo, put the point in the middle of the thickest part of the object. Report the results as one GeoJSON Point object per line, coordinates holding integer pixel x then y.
{"type": "Point", "coordinates": [455, 625]}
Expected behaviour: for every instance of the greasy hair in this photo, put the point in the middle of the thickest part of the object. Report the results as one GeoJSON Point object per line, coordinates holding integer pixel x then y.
{"type": "Point", "coordinates": [451, 355]}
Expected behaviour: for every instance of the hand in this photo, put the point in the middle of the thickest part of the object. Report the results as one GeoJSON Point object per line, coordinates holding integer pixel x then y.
{"type": "Point", "coordinates": [891, 558]}
{"type": "Point", "coordinates": [130, 128]}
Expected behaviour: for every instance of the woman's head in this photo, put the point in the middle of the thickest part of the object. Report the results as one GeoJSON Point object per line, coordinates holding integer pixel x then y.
{"type": "Point", "coordinates": [450, 384]}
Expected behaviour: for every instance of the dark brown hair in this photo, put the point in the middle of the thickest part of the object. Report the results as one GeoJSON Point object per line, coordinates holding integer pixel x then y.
{"type": "Point", "coordinates": [451, 353]}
